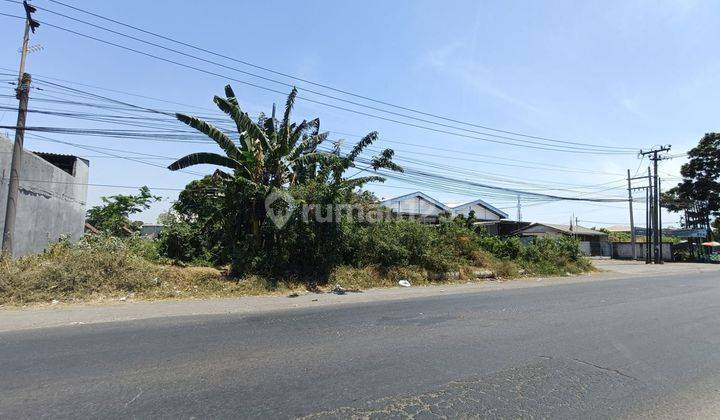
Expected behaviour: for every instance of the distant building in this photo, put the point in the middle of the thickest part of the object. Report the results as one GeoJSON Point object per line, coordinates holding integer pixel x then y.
{"type": "Point", "coordinates": [502, 227]}
{"type": "Point", "coordinates": [549, 229]}
{"type": "Point", "coordinates": [483, 211]}
{"type": "Point", "coordinates": [592, 242]}
{"type": "Point", "coordinates": [618, 228]}
{"type": "Point", "coordinates": [417, 205]}
{"type": "Point", "coordinates": [151, 230]}
{"type": "Point", "coordinates": [51, 199]}
{"type": "Point", "coordinates": [421, 206]}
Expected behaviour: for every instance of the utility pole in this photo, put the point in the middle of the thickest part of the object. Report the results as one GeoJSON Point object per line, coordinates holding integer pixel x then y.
{"type": "Point", "coordinates": [657, 232]}
{"type": "Point", "coordinates": [633, 235]}
{"type": "Point", "coordinates": [648, 220]}
{"type": "Point", "coordinates": [23, 94]}
{"type": "Point", "coordinates": [659, 187]}
{"type": "Point", "coordinates": [632, 217]}
{"type": "Point", "coordinates": [519, 210]}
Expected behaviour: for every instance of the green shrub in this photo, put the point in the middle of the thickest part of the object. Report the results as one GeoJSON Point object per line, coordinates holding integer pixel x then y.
{"type": "Point", "coordinates": [403, 243]}
{"type": "Point", "coordinates": [555, 255]}
{"type": "Point", "coordinates": [185, 242]}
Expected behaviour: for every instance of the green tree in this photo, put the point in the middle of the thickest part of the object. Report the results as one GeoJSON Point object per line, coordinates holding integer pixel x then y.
{"type": "Point", "coordinates": [270, 154]}
{"type": "Point", "coordinates": [195, 225]}
{"type": "Point", "coordinates": [698, 194]}
{"type": "Point", "coordinates": [113, 215]}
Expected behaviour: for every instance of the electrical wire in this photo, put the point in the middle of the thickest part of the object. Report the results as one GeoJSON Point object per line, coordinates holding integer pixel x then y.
{"type": "Point", "coordinates": [345, 92]}
{"type": "Point", "coordinates": [518, 142]}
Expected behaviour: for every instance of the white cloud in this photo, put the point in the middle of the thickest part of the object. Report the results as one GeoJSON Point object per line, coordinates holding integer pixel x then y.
{"type": "Point", "coordinates": [455, 60]}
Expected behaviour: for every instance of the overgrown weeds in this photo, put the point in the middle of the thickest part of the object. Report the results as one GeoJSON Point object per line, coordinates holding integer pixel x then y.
{"type": "Point", "coordinates": [101, 267]}
{"type": "Point", "coordinates": [379, 255]}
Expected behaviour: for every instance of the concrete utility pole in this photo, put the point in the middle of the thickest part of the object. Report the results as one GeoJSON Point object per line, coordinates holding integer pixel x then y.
{"type": "Point", "coordinates": [648, 220]}
{"type": "Point", "coordinates": [519, 210]}
{"type": "Point", "coordinates": [632, 217]}
{"type": "Point", "coordinates": [23, 94]}
{"type": "Point", "coordinates": [659, 188]}
{"type": "Point", "coordinates": [633, 235]}
{"type": "Point", "coordinates": [655, 202]}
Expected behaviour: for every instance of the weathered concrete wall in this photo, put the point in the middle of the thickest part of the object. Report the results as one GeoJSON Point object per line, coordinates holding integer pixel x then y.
{"type": "Point", "coordinates": [623, 251]}
{"type": "Point", "coordinates": [51, 202]}
{"type": "Point", "coordinates": [596, 248]}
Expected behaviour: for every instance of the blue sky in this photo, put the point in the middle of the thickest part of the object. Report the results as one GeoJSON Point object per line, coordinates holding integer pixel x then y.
{"type": "Point", "coordinates": [613, 73]}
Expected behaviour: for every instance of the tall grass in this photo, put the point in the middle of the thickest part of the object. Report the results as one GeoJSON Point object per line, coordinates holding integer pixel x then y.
{"type": "Point", "coordinates": [375, 255]}
{"type": "Point", "coordinates": [101, 266]}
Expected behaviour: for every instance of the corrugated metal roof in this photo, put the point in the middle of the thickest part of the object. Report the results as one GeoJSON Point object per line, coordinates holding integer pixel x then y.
{"type": "Point", "coordinates": [576, 230]}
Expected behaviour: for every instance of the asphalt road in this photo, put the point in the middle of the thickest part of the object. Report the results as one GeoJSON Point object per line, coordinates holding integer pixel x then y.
{"type": "Point", "coordinates": [640, 347]}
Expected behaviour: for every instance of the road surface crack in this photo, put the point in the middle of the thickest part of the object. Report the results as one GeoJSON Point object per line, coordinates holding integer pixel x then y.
{"type": "Point", "coordinates": [134, 398]}
{"type": "Point", "coordinates": [607, 369]}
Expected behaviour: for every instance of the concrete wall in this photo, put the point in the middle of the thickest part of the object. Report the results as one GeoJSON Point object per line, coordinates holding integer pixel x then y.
{"type": "Point", "coordinates": [623, 251]}
{"type": "Point", "coordinates": [596, 248]}
{"type": "Point", "coordinates": [51, 202]}
{"type": "Point", "coordinates": [591, 249]}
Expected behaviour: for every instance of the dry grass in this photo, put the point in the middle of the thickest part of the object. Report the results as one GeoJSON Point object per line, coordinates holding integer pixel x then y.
{"type": "Point", "coordinates": [109, 268]}
{"type": "Point", "coordinates": [371, 277]}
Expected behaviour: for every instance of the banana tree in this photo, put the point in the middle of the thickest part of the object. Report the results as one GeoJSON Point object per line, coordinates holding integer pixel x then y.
{"type": "Point", "coordinates": [273, 154]}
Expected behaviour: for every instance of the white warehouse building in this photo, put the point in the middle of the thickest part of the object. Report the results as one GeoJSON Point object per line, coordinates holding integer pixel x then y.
{"type": "Point", "coordinates": [422, 206]}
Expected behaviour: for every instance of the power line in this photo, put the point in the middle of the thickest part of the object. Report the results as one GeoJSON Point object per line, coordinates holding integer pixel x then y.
{"type": "Point", "coordinates": [531, 144]}
{"type": "Point", "coordinates": [99, 185]}
{"type": "Point", "coordinates": [111, 118]}
{"type": "Point", "coordinates": [424, 163]}
{"type": "Point", "coordinates": [425, 174]}
{"type": "Point", "coordinates": [113, 155]}
{"type": "Point", "coordinates": [552, 167]}
{"type": "Point", "coordinates": [428, 176]}
{"type": "Point", "coordinates": [126, 133]}
{"type": "Point", "coordinates": [514, 192]}
{"type": "Point", "coordinates": [345, 92]}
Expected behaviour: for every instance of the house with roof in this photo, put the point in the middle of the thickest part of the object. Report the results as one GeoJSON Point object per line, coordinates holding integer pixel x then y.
{"type": "Point", "coordinates": [592, 242]}
{"type": "Point", "coordinates": [550, 229]}
{"type": "Point", "coordinates": [482, 210]}
{"type": "Point", "coordinates": [417, 205]}
{"type": "Point", "coordinates": [51, 198]}
{"type": "Point", "coordinates": [422, 206]}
